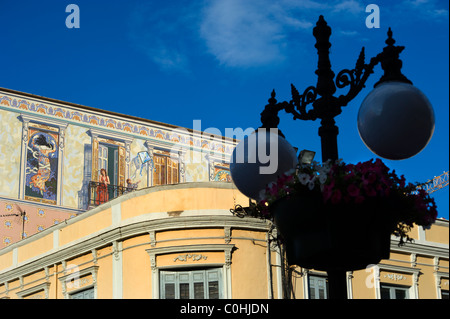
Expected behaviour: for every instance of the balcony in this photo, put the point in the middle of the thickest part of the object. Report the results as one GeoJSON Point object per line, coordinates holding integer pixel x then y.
{"type": "Point", "coordinates": [99, 194]}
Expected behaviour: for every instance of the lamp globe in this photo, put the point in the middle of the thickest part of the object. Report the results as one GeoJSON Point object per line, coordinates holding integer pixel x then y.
{"type": "Point", "coordinates": [396, 120]}
{"type": "Point", "coordinates": [258, 160]}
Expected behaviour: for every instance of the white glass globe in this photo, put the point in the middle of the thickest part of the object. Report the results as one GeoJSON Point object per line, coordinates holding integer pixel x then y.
{"type": "Point", "coordinates": [258, 160]}
{"type": "Point", "coordinates": [396, 120]}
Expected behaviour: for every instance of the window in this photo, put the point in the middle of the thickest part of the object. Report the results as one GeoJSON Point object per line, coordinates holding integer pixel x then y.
{"type": "Point", "coordinates": [317, 287]}
{"type": "Point", "coordinates": [84, 294]}
{"type": "Point", "coordinates": [165, 169]}
{"type": "Point", "coordinates": [79, 284]}
{"type": "Point", "coordinates": [109, 155]}
{"type": "Point", "coordinates": [110, 151]}
{"type": "Point", "coordinates": [108, 158]}
{"type": "Point", "coordinates": [196, 284]}
{"type": "Point", "coordinates": [394, 292]}
{"type": "Point", "coordinates": [444, 294]}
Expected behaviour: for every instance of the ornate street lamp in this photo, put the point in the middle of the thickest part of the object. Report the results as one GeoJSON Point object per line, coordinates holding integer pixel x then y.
{"type": "Point", "coordinates": [395, 120]}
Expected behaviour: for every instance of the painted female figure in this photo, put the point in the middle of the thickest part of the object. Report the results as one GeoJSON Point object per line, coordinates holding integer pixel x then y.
{"type": "Point", "coordinates": [102, 189]}
{"type": "Point", "coordinates": [42, 147]}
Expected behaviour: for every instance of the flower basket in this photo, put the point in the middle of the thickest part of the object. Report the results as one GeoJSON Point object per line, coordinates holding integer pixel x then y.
{"type": "Point", "coordinates": [317, 237]}
{"type": "Point", "coordinates": [338, 216]}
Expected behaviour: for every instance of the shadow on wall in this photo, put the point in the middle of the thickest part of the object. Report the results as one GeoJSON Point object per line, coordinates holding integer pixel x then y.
{"type": "Point", "coordinates": [83, 194]}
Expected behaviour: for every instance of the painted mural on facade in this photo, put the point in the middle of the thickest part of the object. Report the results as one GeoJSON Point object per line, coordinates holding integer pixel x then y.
{"type": "Point", "coordinates": [222, 173]}
{"type": "Point", "coordinates": [51, 157]}
{"type": "Point", "coordinates": [20, 220]}
{"type": "Point", "coordinates": [147, 131]}
{"type": "Point", "coordinates": [41, 166]}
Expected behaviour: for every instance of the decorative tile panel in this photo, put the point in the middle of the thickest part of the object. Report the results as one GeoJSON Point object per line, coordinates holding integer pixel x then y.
{"type": "Point", "coordinates": [125, 126]}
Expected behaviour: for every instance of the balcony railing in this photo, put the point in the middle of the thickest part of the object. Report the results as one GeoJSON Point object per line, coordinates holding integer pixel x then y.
{"type": "Point", "coordinates": [99, 193]}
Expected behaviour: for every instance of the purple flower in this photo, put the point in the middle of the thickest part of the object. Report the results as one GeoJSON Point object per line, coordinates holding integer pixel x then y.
{"type": "Point", "coordinates": [370, 191]}
{"type": "Point", "coordinates": [336, 197]}
{"type": "Point", "coordinates": [353, 190]}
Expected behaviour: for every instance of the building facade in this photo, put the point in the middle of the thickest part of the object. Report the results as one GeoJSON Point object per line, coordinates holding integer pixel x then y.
{"type": "Point", "coordinates": [53, 152]}
{"type": "Point", "coordinates": [64, 236]}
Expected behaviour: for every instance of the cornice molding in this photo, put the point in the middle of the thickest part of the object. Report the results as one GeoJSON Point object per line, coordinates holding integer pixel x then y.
{"type": "Point", "coordinates": [43, 120]}
{"type": "Point", "coordinates": [111, 234]}
{"type": "Point", "coordinates": [423, 248]}
{"type": "Point", "coordinates": [110, 135]}
{"type": "Point", "coordinates": [29, 291]}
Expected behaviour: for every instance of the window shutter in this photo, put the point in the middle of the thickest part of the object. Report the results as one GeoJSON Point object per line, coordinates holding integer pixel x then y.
{"type": "Point", "coordinates": [157, 170]}
{"type": "Point", "coordinates": [166, 170]}
{"type": "Point", "coordinates": [94, 176]}
{"type": "Point", "coordinates": [172, 171]}
{"type": "Point", "coordinates": [122, 165]}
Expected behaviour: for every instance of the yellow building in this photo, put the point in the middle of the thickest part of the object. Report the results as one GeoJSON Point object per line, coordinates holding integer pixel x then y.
{"type": "Point", "coordinates": [53, 153]}
{"type": "Point", "coordinates": [181, 241]}
{"type": "Point", "coordinates": [178, 240]}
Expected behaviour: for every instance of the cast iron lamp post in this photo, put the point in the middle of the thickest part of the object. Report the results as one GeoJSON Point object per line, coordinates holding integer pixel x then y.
{"type": "Point", "coordinates": [395, 121]}
{"type": "Point", "coordinates": [394, 113]}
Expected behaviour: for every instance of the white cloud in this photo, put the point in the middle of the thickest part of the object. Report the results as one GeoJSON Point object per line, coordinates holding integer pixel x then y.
{"type": "Point", "coordinates": [239, 33]}
{"type": "Point", "coordinates": [252, 32]}
{"type": "Point", "coordinates": [255, 33]}
{"type": "Point", "coordinates": [169, 59]}
{"type": "Point", "coordinates": [349, 6]}
{"type": "Point", "coordinates": [416, 3]}
{"type": "Point", "coordinates": [426, 8]}
{"type": "Point", "coordinates": [440, 12]}
{"type": "Point", "coordinates": [346, 33]}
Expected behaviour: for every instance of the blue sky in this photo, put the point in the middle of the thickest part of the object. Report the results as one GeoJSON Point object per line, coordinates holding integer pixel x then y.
{"type": "Point", "coordinates": [217, 61]}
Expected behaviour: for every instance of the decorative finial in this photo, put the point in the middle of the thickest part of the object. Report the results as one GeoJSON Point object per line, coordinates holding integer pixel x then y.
{"type": "Point", "coordinates": [390, 62]}
{"type": "Point", "coordinates": [269, 116]}
{"type": "Point", "coordinates": [321, 20]}
{"type": "Point", "coordinates": [272, 100]}
{"type": "Point", "coordinates": [390, 40]}
{"type": "Point", "coordinates": [322, 25]}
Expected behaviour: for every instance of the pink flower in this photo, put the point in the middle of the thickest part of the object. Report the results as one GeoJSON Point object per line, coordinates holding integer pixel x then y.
{"type": "Point", "coordinates": [369, 178]}
{"type": "Point", "coordinates": [283, 180]}
{"type": "Point", "coordinates": [353, 190]}
{"type": "Point", "coordinates": [336, 197]}
{"type": "Point", "coordinates": [327, 191]}
{"type": "Point", "coordinates": [349, 168]}
{"type": "Point", "coordinates": [363, 167]}
{"type": "Point", "coordinates": [349, 176]}
{"type": "Point", "coordinates": [370, 191]}
{"type": "Point", "coordinates": [385, 182]}
{"type": "Point", "coordinates": [379, 167]}
{"type": "Point", "coordinates": [273, 190]}
{"type": "Point", "coordinates": [419, 203]}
